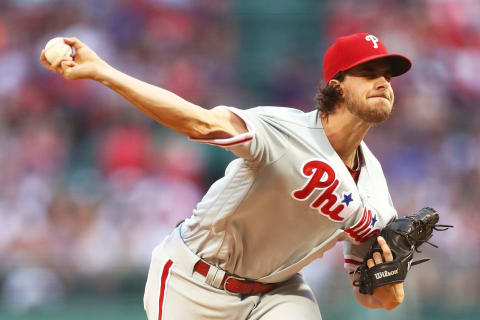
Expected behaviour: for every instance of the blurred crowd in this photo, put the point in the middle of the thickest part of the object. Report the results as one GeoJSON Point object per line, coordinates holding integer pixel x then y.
{"type": "Point", "coordinates": [89, 185]}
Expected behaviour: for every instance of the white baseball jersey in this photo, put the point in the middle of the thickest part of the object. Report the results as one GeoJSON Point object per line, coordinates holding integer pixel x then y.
{"type": "Point", "coordinates": [286, 200]}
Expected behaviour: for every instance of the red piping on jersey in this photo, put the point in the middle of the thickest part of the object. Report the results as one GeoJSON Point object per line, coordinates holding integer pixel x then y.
{"type": "Point", "coordinates": [351, 261]}
{"type": "Point", "coordinates": [231, 143]}
{"type": "Point", "coordinates": [163, 287]}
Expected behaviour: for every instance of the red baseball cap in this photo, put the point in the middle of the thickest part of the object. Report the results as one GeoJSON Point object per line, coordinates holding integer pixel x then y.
{"type": "Point", "coordinates": [352, 50]}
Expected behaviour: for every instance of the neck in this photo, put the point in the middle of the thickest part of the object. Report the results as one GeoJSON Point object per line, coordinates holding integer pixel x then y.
{"type": "Point", "coordinates": [345, 131]}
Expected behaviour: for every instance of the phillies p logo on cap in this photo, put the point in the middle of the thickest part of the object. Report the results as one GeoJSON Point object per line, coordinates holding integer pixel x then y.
{"type": "Point", "coordinates": [352, 50]}
{"type": "Point", "coordinates": [373, 39]}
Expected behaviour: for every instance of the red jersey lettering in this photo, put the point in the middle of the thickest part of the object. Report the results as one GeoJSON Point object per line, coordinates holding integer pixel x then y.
{"type": "Point", "coordinates": [321, 177]}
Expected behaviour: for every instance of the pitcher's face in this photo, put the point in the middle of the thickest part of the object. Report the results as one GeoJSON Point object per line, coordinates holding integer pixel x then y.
{"type": "Point", "coordinates": [367, 92]}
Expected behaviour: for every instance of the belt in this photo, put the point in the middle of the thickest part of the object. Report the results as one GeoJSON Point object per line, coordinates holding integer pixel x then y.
{"type": "Point", "coordinates": [236, 285]}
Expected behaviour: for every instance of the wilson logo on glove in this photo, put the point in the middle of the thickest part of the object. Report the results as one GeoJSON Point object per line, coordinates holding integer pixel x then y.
{"type": "Point", "coordinates": [385, 274]}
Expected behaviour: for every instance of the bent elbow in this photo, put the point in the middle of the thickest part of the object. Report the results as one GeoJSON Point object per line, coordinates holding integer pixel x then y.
{"type": "Point", "coordinates": [198, 131]}
{"type": "Point", "coordinates": [209, 126]}
{"type": "Point", "coordinates": [207, 132]}
{"type": "Point", "coordinates": [200, 127]}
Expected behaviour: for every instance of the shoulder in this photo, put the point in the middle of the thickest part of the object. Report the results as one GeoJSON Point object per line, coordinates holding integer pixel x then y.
{"type": "Point", "coordinates": [290, 116]}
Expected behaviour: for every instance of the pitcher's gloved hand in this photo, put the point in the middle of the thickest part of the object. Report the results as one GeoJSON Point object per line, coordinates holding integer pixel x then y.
{"type": "Point", "coordinates": [403, 236]}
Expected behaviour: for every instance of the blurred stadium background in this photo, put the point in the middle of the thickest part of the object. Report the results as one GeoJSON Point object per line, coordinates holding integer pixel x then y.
{"type": "Point", "coordinates": [89, 185]}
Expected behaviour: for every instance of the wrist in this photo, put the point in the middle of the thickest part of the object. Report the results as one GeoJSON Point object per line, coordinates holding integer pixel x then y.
{"type": "Point", "coordinates": [103, 72]}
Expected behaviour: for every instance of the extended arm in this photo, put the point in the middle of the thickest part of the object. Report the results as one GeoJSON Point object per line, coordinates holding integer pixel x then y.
{"type": "Point", "coordinates": [388, 296]}
{"type": "Point", "coordinates": [164, 106]}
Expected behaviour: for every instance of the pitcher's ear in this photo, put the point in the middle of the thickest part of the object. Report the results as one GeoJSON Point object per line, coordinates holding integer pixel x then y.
{"type": "Point", "coordinates": [337, 84]}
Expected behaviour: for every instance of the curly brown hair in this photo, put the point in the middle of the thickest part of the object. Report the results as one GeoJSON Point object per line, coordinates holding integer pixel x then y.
{"type": "Point", "coordinates": [328, 96]}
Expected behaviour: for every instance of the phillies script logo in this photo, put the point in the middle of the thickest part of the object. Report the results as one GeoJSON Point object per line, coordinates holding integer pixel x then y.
{"type": "Point", "coordinates": [321, 177]}
{"type": "Point", "coordinates": [374, 40]}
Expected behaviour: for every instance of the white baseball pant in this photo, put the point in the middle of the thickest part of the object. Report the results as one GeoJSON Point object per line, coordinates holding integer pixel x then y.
{"type": "Point", "coordinates": [175, 291]}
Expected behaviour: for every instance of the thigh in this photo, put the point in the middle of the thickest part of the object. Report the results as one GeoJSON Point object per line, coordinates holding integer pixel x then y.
{"type": "Point", "coordinates": [172, 294]}
{"type": "Point", "coordinates": [292, 300]}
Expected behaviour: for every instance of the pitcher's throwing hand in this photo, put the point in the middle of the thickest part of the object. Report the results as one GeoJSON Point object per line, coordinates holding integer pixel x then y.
{"type": "Point", "coordinates": [85, 64]}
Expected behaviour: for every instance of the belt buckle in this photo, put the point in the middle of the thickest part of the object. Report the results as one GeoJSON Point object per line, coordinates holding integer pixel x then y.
{"type": "Point", "coordinates": [225, 285]}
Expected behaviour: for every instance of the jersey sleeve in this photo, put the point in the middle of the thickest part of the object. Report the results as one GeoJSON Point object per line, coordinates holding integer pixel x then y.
{"type": "Point", "coordinates": [263, 143]}
{"type": "Point", "coordinates": [353, 253]}
{"type": "Point", "coordinates": [361, 236]}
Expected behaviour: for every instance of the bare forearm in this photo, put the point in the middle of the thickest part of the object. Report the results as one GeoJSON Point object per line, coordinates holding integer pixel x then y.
{"type": "Point", "coordinates": [159, 104]}
{"type": "Point", "coordinates": [162, 105]}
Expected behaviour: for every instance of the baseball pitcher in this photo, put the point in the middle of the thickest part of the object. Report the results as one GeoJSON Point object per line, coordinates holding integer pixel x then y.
{"type": "Point", "coordinates": [301, 183]}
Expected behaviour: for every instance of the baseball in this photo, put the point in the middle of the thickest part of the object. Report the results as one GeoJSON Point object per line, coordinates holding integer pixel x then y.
{"type": "Point", "coordinates": [56, 48]}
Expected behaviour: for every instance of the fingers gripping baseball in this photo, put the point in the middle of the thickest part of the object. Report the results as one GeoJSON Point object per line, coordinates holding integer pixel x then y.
{"type": "Point", "coordinates": [74, 42]}
{"type": "Point", "coordinates": [62, 65]}
{"type": "Point", "coordinates": [68, 69]}
{"type": "Point", "coordinates": [46, 64]}
{"type": "Point", "coordinates": [85, 63]}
